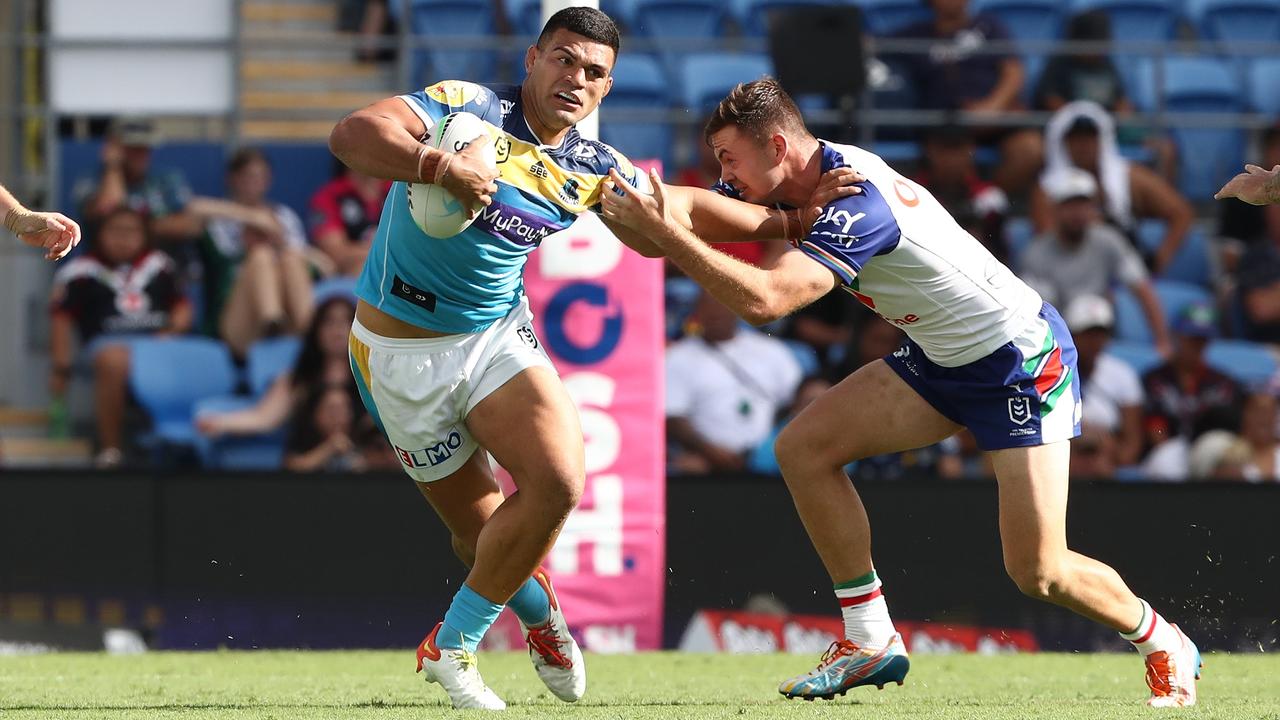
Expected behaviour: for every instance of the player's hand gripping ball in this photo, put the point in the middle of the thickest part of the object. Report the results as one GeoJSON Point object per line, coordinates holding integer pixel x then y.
{"type": "Point", "coordinates": [435, 209]}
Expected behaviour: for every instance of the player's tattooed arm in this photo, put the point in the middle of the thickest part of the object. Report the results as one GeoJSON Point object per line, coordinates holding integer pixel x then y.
{"type": "Point", "coordinates": [1254, 186]}
{"type": "Point", "coordinates": [758, 295]}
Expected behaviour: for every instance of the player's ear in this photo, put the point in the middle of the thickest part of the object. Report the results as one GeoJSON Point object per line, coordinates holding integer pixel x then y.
{"type": "Point", "coordinates": [608, 85]}
{"type": "Point", "coordinates": [779, 145]}
{"type": "Point", "coordinates": [529, 56]}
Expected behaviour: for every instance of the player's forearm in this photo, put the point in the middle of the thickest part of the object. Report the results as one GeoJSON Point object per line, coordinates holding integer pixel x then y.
{"type": "Point", "coordinates": [380, 147]}
{"type": "Point", "coordinates": [742, 288]}
{"type": "Point", "coordinates": [718, 219]}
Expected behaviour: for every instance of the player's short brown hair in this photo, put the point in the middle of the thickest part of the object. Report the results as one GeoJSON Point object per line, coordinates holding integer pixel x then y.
{"type": "Point", "coordinates": [759, 108]}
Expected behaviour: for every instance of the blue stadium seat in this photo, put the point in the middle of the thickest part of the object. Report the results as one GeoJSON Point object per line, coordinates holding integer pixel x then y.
{"type": "Point", "coordinates": [1018, 234]}
{"type": "Point", "coordinates": [885, 17]}
{"type": "Point", "coordinates": [1249, 363]}
{"type": "Point", "coordinates": [665, 20]}
{"type": "Point", "coordinates": [705, 78]}
{"type": "Point", "coordinates": [334, 287]}
{"type": "Point", "coordinates": [1236, 20]}
{"type": "Point", "coordinates": [1131, 321]}
{"type": "Point", "coordinates": [232, 452]}
{"type": "Point", "coordinates": [1207, 156]}
{"type": "Point", "coordinates": [448, 19]}
{"type": "Point", "coordinates": [753, 15]}
{"type": "Point", "coordinates": [638, 83]}
{"type": "Point", "coordinates": [806, 357]}
{"type": "Point", "coordinates": [1141, 356]}
{"type": "Point", "coordinates": [1138, 74]}
{"type": "Point", "coordinates": [1136, 19]}
{"type": "Point", "coordinates": [1191, 265]}
{"type": "Point", "coordinates": [169, 375]}
{"type": "Point", "coordinates": [268, 360]}
{"type": "Point", "coordinates": [1026, 19]}
{"type": "Point", "coordinates": [1264, 85]}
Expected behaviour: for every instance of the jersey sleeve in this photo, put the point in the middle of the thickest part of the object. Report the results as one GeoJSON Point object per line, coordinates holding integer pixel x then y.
{"type": "Point", "coordinates": [450, 96]}
{"type": "Point", "coordinates": [852, 230]}
{"type": "Point", "coordinates": [628, 171]}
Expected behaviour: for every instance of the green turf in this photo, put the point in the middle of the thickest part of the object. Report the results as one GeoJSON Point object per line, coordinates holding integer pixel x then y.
{"type": "Point", "coordinates": [304, 685]}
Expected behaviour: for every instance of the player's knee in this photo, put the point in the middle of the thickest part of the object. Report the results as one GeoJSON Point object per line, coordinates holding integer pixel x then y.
{"type": "Point", "coordinates": [796, 454]}
{"type": "Point", "coordinates": [558, 493]}
{"type": "Point", "coordinates": [1035, 577]}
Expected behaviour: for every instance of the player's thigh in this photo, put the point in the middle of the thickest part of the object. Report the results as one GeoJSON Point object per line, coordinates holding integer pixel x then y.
{"type": "Point", "coordinates": [530, 426]}
{"type": "Point", "coordinates": [1033, 485]}
{"type": "Point", "coordinates": [871, 412]}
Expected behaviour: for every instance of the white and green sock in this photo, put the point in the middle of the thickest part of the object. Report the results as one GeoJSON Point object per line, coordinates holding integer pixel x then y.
{"type": "Point", "coordinates": [866, 615]}
{"type": "Point", "coordinates": [1153, 633]}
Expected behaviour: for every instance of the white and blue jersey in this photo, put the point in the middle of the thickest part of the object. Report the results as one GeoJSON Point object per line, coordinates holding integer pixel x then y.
{"type": "Point", "coordinates": [983, 348]}
{"type": "Point", "coordinates": [465, 283]}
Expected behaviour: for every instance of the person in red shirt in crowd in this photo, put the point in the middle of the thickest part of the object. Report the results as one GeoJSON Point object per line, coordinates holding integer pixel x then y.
{"type": "Point", "coordinates": [344, 216]}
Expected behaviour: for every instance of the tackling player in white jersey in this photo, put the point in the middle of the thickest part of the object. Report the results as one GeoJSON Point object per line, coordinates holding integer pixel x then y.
{"type": "Point", "coordinates": [984, 352]}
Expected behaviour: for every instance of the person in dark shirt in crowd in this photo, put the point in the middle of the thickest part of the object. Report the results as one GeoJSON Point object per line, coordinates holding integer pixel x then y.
{"type": "Point", "coordinates": [1092, 76]}
{"type": "Point", "coordinates": [949, 172]}
{"type": "Point", "coordinates": [344, 216]}
{"type": "Point", "coordinates": [120, 289]}
{"type": "Point", "coordinates": [1251, 253]}
{"type": "Point", "coordinates": [321, 433]}
{"type": "Point", "coordinates": [955, 75]}
{"type": "Point", "coordinates": [1185, 396]}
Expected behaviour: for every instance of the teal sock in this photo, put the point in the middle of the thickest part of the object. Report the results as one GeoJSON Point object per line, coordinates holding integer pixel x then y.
{"type": "Point", "coordinates": [531, 604]}
{"type": "Point", "coordinates": [468, 619]}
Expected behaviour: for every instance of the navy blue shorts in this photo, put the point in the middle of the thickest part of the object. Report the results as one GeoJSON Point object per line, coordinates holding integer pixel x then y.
{"type": "Point", "coordinates": [1025, 393]}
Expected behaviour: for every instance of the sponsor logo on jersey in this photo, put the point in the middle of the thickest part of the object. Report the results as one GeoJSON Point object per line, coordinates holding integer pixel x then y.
{"type": "Point", "coordinates": [433, 454]}
{"type": "Point", "coordinates": [539, 170]}
{"type": "Point", "coordinates": [906, 193]}
{"type": "Point", "coordinates": [505, 221]}
{"type": "Point", "coordinates": [908, 319]}
{"type": "Point", "coordinates": [841, 218]}
{"type": "Point", "coordinates": [505, 107]}
{"type": "Point", "coordinates": [453, 93]}
{"type": "Point", "coordinates": [584, 151]}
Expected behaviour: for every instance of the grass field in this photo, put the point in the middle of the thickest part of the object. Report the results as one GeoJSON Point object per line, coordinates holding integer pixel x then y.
{"type": "Point", "coordinates": [368, 685]}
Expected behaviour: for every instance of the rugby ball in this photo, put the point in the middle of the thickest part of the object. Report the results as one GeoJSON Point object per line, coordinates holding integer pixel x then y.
{"type": "Point", "coordinates": [434, 209]}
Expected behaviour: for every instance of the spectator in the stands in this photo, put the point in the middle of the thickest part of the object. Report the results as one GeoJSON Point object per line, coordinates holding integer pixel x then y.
{"type": "Point", "coordinates": [949, 172]}
{"type": "Point", "coordinates": [321, 432]}
{"type": "Point", "coordinates": [1070, 76]}
{"type": "Point", "coordinates": [705, 174]}
{"type": "Point", "coordinates": [344, 216]}
{"type": "Point", "coordinates": [762, 459]}
{"type": "Point", "coordinates": [322, 362]}
{"type": "Point", "coordinates": [1186, 397]}
{"type": "Point", "coordinates": [373, 21]}
{"type": "Point", "coordinates": [257, 280]}
{"type": "Point", "coordinates": [1258, 427]}
{"type": "Point", "coordinates": [953, 75]}
{"type": "Point", "coordinates": [826, 325]}
{"type": "Point", "coordinates": [1081, 255]}
{"type": "Point", "coordinates": [725, 386]}
{"type": "Point", "coordinates": [120, 289]}
{"type": "Point", "coordinates": [128, 180]}
{"type": "Point", "coordinates": [1112, 391]}
{"type": "Point", "coordinates": [1082, 135]}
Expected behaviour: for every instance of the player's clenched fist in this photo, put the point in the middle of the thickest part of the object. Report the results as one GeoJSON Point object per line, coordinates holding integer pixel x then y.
{"type": "Point", "coordinates": [468, 176]}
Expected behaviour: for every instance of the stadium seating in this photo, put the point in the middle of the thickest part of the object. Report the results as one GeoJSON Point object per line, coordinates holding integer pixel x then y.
{"type": "Point", "coordinates": [1233, 21]}
{"type": "Point", "coordinates": [885, 17]}
{"type": "Point", "coordinates": [753, 15]}
{"type": "Point", "coordinates": [1141, 356]}
{"type": "Point", "coordinates": [334, 287]}
{"type": "Point", "coordinates": [664, 20]}
{"type": "Point", "coordinates": [638, 84]}
{"type": "Point", "coordinates": [1136, 19]}
{"type": "Point", "coordinates": [1207, 156]}
{"type": "Point", "coordinates": [169, 375]}
{"type": "Point", "coordinates": [446, 19]}
{"type": "Point", "coordinates": [1249, 363]}
{"type": "Point", "coordinates": [1264, 85]}
{"type": "Point", "coordinates": [1026, 19]}
{"type": "Point", "coordinates": [1131, 322]}
{"type": "Point", "coordinates": [268, 360]}
{"type": "Point", "coordinates": [705, 78]}
{"type": "Point", "coordinates": [251, 452]}
{"type": "Point", "coordinates": [1192, 264]}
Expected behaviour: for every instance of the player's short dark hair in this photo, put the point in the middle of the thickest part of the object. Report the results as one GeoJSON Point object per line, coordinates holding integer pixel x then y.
{"type": "Point", "coordinates": [590, 23]}
{"type": "Point", "coordinates": [758, 108]}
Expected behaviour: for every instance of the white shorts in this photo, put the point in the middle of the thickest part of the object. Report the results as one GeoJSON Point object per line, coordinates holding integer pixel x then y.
{"type": "Point", "coordinates": [420, 391]}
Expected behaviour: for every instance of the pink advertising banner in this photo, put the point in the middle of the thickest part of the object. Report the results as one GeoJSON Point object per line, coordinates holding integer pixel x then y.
{"type": "Point", "coordinates": [598, 312]}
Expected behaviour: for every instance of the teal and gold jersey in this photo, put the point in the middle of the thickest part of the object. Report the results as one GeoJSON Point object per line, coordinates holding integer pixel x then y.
{"type": "Point", "coordinates": [465, 283]}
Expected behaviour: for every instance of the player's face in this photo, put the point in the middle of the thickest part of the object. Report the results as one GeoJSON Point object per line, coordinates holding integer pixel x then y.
{"type": "Point", "coordinates": [752, 167]}
{"type": "Point", "coordinates": [568, 76]}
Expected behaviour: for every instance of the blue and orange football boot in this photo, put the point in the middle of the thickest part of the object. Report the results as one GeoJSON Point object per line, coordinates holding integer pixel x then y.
{"type": "Point", "coordinates": [846, 666]}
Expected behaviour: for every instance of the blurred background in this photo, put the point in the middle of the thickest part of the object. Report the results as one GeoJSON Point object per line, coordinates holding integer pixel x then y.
{"type": "Point", "coordinates": [196, 342]}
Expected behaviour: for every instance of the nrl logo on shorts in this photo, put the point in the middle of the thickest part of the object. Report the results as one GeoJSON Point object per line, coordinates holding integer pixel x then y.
{"type": "Point", "coordinates": [1020, 410]}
